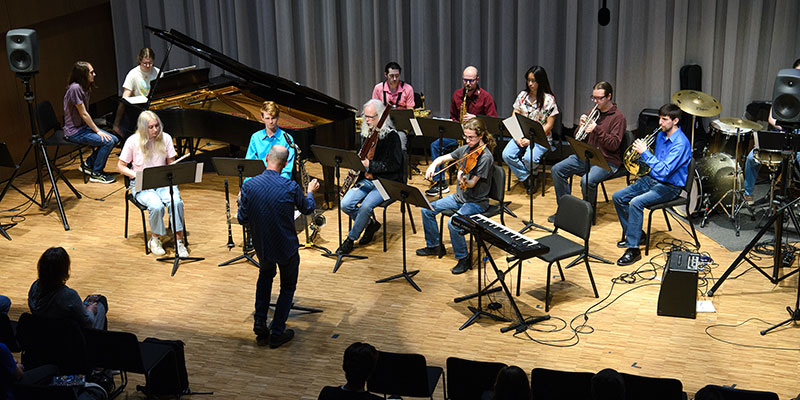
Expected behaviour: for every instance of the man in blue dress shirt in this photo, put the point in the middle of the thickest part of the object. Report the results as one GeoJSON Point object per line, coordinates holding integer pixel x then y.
{"type": "Point", "coordinates": [272, 134]}
{"type": "Point", "coordinates": [669, 167]}
{"type": "Point", "coordinates": [266, 204]}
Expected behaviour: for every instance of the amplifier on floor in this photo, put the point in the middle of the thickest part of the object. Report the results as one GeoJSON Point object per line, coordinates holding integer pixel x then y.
{"type": "Point", "coordinates": [678, 295]}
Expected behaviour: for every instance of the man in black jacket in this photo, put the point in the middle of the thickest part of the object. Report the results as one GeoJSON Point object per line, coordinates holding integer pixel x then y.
{"type": "Point", "coordinates": [386, 163]}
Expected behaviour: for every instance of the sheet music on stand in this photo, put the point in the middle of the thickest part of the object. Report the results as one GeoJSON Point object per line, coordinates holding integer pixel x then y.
{"type": "Point", "coordinates": [198, 176]}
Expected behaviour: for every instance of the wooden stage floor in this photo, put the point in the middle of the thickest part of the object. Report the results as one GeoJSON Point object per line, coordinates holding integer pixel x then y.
{"type": "Point", "coordinates": [210, 308]}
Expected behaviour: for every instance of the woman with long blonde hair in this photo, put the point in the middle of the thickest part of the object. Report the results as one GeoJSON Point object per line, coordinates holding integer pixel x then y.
{"type": "Point", "coordinates": [149, 147]}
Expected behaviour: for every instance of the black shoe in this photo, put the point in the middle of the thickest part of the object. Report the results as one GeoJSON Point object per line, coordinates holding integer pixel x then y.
{"type": "Point", "coordinates": [622, 244]}
{"type": "Point", "coordinates": [629, 257]}
{"type": "Point", "coordinates": [85, 168]}
{"type": "Point", "coordinates": [551, 219]}
{"type": "Point", "coordinates": [346, 247]}
{"type": "Point", "coordinates": [276, 341]}
{"type": "Point", "coordinates": [463, 265]}
{"type": "Point", "coordinates": [434, 190]}
{"type": "Point", "coordinates": [531, 183]}
{"type": "Point", "coordinates": [369, 232]}
{"type": "Point", "coordinates": [262, 333]}
{"type": "Point", "coordinates": [432, 251]}
{"type": "Point", "coordinates": [101, 177]}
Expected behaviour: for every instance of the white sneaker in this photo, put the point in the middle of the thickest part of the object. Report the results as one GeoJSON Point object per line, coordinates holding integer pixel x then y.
{"type": "Point", "coordinates": [182, 252]}
{"type": "Point", "coordinates": [155, 246]}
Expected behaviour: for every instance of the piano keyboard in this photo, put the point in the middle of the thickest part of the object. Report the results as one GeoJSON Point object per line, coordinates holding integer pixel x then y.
{"type": "Point", "coordinates": [508, 240]}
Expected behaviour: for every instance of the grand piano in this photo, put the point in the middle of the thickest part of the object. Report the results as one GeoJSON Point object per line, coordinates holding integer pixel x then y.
{"type": "Point", "coordinates": [226, 108]}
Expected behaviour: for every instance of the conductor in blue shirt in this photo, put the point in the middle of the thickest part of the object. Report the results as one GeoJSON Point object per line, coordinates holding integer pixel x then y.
{"type": "Point", "coordinates": [272, 134]}
{"type": "Point", "coordinates": [669, 167]}
{"type": "Point", "coordinates": [266, 205]}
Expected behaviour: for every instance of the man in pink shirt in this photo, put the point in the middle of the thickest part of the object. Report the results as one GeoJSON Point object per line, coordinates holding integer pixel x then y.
{"type": "Point", "coordinates": [393, 91]}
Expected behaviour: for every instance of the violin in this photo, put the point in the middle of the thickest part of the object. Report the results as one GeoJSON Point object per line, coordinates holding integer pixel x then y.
{"type": "Point", "coordinates": [468, 163]}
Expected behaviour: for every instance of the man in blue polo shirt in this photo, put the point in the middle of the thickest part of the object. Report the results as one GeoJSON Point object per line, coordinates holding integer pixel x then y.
{"type": "Point", "coordinates": [669, 167]}
{"type": "Point", "coordinates": [272, 134]}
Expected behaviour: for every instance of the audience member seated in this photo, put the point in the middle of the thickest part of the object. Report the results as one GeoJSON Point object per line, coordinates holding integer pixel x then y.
{"type": "Point", "coordinates": [50, 297]}
{"type": "Point", "coordinates": [358, 363]}
{"type": "Point", "coordinates": [5, 304]}
{"type": "Point", "coordinates": [512, 384]}
{"type": "Point", "coordinates": [10, 372]}
{"type": "Point", "coordinates": [608, 384]}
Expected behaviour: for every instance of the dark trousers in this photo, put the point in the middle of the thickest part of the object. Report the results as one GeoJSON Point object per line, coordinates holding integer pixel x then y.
{"type": "Point", "coordinates": [266, 274]}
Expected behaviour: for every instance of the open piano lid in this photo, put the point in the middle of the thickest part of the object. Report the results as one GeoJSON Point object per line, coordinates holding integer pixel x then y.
{"type": "Point", "coordinates": [245, 72]}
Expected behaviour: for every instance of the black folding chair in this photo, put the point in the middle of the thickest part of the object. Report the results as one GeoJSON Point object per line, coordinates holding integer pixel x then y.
{"type": "Point", "coordinates": [670, 206]}
{"type": "Point", "coordinates": [471, 380]}
{"type": "Point", "coordinates": [549, 384]}
{"type": "Point", "coordinates": [645, 387]}
{"type": "Point", "coordinates": [714, 392]}
{"type": "Point", "coordinates": [53, 341]}
{"type": "Point", "coordinates": [404, 375]}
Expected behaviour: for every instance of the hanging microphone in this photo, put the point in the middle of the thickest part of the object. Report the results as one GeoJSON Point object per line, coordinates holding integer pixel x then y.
{"type": "Point", "coordinates": [604, 15]}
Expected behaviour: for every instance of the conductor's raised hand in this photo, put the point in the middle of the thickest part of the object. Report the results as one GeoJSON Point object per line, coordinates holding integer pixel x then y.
{"type": "Point", "coordinates": [313, 186]}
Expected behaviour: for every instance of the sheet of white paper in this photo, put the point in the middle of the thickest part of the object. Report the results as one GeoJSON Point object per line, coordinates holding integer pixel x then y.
{"type": "Point", "coordinates": [138, 185]}
{"type": "Point", "coordinates": [415, 127]}
{"type": "Point", "coordinates": [179, 159]}
{"type": "Point", "coordinates": [512, 127]}
{"type": "Point", "coordinates": [705, 306]}
{"type": "Point", "coordinates": [136, 99]}
{"type": "Point", "coordinates": [198, 173]}
{"type": "Point", "coordinates": [381, 189]}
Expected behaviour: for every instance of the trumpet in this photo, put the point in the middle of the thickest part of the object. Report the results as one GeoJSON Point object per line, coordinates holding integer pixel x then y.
{"type": "Point", "coordinates": [592, 118]}
{"type": "Point", "coordinates": [633, 160]}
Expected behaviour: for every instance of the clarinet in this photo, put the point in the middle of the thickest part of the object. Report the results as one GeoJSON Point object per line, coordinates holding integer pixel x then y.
{"type": "Point", "coordinates": [228, 217]}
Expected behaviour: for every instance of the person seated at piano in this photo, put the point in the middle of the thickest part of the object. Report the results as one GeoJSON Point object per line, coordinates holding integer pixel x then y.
{"type": "Point", "coordinates": [386, 163]}
{"type": "Point", "coordinates": [137, 81]}
{"type": "Point", "coordinates": [471, 196]}
{"type": "Point", "coordinates": [272, 134]}
{"type": "Point", "coordinates": [394, 93]}
{"type": "Point", "coordinates": [79, 126]}
{"type": "Point", "coordinates": [149, 147]}
{"type": "Point", "coordinates": [669, 168]}
{"type": "Point", "coordinates": [606, 134]}
{"type": "Point", "coordinates": [470, 100]}
{"type": "Point", "coordinates": [751, 165]}
{"type": "Point", "coordinates": [536, 102]}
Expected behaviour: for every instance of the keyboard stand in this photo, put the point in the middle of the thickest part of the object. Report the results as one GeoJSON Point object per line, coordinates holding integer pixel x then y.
{"type": "Point", "coordinates": [478, 311]}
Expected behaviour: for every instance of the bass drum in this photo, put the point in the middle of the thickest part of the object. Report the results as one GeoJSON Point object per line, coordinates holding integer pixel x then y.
{"type": "Point", "coordinates": [716, 177]}
{"type": "Point", "coordinates": [695, 197]}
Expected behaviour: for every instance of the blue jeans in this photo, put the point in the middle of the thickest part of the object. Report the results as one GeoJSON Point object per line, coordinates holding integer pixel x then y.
{"type": "Point", "coordinates": [363, 192]}
{"type": "Point", "coordinates": [156, 200]}
{"type": "Point", "coordinates": [97, 161]}
{"type": "Point", "coordinates": [5, 304]}
{"type": "Point", "coordinates": [572, 165]}
{"type": "Point", "coordinates": [432, 228]}
{"type": "Point", "coordinates": [266, 274]}
{"type": "Point", "coordinates": [448, 145]}
{"type": "Point", "coordinates": [631, 201]}
{"type": "Point", "coordinates": [519, 162]}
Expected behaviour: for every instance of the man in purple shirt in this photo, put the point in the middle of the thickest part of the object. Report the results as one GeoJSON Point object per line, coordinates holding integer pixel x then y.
{"type": "Point", "coordinates": [79, 126]}
{"type": "Point", "coordinates": [479, 102]}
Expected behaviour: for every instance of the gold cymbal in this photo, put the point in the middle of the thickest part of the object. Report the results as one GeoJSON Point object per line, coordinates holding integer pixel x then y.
{"type": "Point", "coordinates": [742, 123]}
{"type": "Point", "coordinates": [697, 103]}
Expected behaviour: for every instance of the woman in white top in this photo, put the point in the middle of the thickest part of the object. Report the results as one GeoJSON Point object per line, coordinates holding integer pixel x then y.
{"type": "Point", "coordinates": [137, 82]}
{"type": "Point", "coordinates": [150, 146]}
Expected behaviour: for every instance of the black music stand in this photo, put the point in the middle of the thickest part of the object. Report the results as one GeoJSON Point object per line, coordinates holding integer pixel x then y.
{"type": "Point", "coordinates": [169, 175]}
{"type": "Point", "coordinates": [243, 168]}
{"type": "Point", "coordinates": [7, 161]}
{"type": "Point", "coordinates": [495, 126]}
{"type": "Point", "coordinates": [401, 118]}
{"type": "Point", "coordinates": [533, 131]}
{"type": "Point", "coordinates": [406, 194]}
{"type": "Point", "coordinates": [336, 158]}
{"type": "Point", "coordinates": [440, 128]}
{"type": "Point", "coordinates": [590, 155]}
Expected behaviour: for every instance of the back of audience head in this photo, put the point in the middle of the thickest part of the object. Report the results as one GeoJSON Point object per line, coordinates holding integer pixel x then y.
{"type": "Point", "coordinates": [53, 268]}
{"type": "Point", "coordinates": [358, 363]}
{"type": "Point", "coordinates": [608, 384]}
{"type": "Point", "coordinates": [512, 384]}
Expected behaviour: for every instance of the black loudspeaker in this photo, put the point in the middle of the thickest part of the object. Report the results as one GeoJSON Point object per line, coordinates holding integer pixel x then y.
{"type": "Point", "coordinates": [786, 96]}
{"type": "Point", "coordinates": [22, 47]}
{"type": "Point", "coordinates": [648, 122]}
{"type": "Point", "coordinates": [678, 295]}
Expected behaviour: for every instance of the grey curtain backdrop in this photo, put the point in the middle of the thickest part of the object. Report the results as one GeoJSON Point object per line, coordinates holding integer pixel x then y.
{"type": "Point", "coordinates": [340, 47]}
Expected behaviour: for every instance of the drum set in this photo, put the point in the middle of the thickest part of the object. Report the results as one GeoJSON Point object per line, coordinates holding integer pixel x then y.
{"type": "Point", "coordinates": [719, 174]}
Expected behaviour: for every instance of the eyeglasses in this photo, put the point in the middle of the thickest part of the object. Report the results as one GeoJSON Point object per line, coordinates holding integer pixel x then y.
{"type": "Point", "coordinates": [147, 64]}
{"type": "Point", "coordinates": [92, 72]}
{"type": "Point", "coordinates": [595, 98]}
{"type": "Point", "coordinates": [393, 76]}
{"type": "Point", "coordinates": [470, 137]}
{"type": "Point", "coordinates": [470, 80]}
{"type": "Point", "coordinates": [371, 116]}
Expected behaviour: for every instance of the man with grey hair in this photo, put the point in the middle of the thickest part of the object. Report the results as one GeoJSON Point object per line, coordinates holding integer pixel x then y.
{"type": "Point", "coordinates": [266, 206]}
{"type": "Point", "coordinates": [386, 163]}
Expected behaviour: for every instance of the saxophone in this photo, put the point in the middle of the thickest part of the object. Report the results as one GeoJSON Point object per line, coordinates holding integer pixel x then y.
{"type": "Point", "coordinates": [317, 219]}
{"type": "Point", "coordinates": [633, 160]}
{"type": "Point", "coordinates": [463, 111]}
